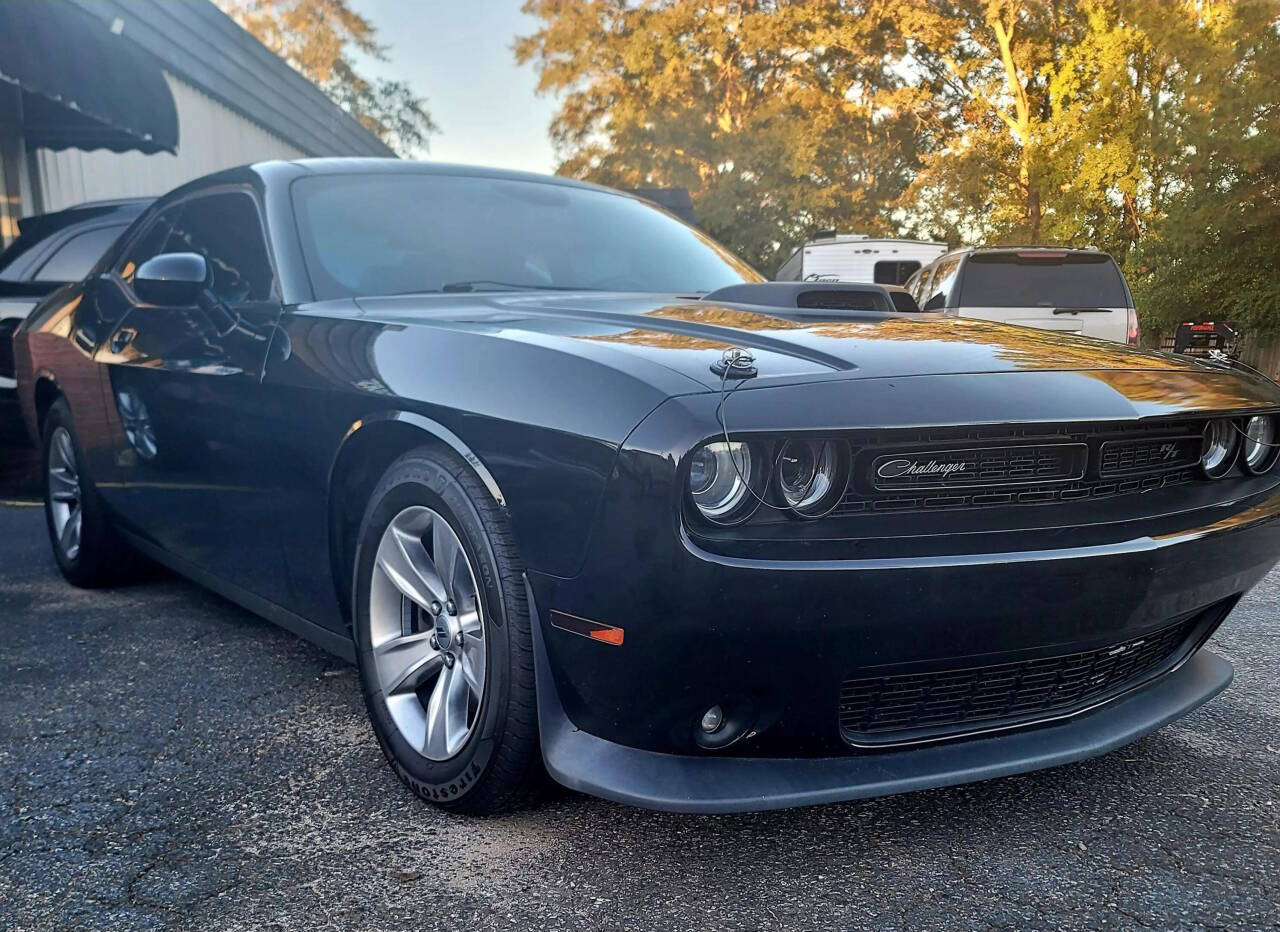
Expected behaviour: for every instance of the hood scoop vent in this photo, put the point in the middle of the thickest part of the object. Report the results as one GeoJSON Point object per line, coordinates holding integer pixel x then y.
{"type": "Point", "coordinates": [824, 298]}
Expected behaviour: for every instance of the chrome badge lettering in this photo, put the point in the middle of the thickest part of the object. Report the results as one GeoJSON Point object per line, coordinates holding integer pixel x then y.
{"type": "Point", "coordinates": [897, 468]}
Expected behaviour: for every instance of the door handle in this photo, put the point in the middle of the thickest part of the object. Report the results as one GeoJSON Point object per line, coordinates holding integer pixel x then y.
{"type": "Point", "coordinates": [122, 338]}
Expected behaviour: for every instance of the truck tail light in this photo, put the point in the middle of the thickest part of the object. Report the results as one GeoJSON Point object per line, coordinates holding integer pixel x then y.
{"type": "Point", "coordinates": [1131, 326]}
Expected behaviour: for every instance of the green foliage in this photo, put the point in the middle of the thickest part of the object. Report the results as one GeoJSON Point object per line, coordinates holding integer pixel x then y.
{"type": "Point", "coordinates": [318, 38]}
{"type": "Point", "coordinates": [1215, 250]}
{"type": "Point", "coordinates": [1149, 128]}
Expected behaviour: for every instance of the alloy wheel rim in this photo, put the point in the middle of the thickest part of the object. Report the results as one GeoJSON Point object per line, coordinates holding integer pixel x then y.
{"type": "Point", "coordinates": [427, 633]}
{"type": "Point", "coordinates": [65, 501]}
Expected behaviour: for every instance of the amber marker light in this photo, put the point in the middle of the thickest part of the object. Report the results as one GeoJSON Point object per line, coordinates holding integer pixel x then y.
{"type": "Point", "coordinates": [608, 635]}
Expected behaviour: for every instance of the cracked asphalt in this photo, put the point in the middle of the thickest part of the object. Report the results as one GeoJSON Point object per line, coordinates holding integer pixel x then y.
{"type": "Point", "coordinates": [170, 761]}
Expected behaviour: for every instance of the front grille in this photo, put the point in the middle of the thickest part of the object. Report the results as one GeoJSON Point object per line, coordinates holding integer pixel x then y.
{"type": "Point", "coordinates": [1038, 495]}
{"type": "Point", "coordinates": [1151, 455]}
{"type": "Point", "coordinates": [924, 471]}
{"type": "Point", "coordinates": [979, 466]}
{"type": "Point", "coordinates": [912, 706]}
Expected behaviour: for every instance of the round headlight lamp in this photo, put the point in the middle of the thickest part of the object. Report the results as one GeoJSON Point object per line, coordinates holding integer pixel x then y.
{"type": "Point", "coordinates": [719, 474]}
{"type": "Point", "coordinates": [809, 475]}
{"type": "Point", "coordinates": [1218, 452]}
{"type": "Point", "coordinates": [1260, 449]}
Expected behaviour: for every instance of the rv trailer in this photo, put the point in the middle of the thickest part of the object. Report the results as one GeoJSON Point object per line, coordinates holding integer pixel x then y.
{"type": "Point", "coordinates": [858, 258]}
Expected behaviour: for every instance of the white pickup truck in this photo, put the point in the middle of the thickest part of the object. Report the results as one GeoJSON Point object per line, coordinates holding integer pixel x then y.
{"type": "Point", "coordinates": [1073, 290]}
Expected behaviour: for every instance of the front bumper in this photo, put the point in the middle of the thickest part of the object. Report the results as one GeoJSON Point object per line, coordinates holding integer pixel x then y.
{"type": "Point", "coordinates": [708, 784]}
{"type": "Point", "coordinates": [776, 641]}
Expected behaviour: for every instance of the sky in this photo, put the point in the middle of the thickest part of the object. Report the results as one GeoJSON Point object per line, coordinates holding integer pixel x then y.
{"type": "Point", "coordinates": [458, 56]}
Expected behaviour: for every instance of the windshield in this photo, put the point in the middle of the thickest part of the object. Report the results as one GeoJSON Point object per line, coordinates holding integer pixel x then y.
{"type": "Point", "coordinates": [1042, 280]}
{"type": "Point", "coordinates": [382, 234]}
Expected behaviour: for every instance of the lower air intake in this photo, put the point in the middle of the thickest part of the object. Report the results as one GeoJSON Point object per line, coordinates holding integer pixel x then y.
{"type": "Point", "coordinates": [949, 703]}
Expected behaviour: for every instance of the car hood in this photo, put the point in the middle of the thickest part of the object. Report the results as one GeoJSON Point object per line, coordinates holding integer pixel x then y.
{"type": "Point", "coordinates": [689, 335]}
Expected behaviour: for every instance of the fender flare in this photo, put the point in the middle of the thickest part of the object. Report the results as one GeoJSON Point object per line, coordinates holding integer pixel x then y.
{"type": "Point", "coordinates": [434, 429]}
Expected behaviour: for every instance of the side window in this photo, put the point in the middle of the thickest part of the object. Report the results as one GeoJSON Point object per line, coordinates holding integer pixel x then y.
{"type": "Point", "coordinates": [227, 231]}
{"type": "Point", "coordinates": [148, 245]}
{"type": "Point", "coordinates": [76, 256]}
{"type": "Point", "coordinates": [943, 278]}
{"type": "Point", "coordinates": [922, 283]}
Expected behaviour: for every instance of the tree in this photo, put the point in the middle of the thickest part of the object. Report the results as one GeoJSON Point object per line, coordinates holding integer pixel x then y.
{"type": "Point", "coordinates": [1214, 251]}
{"type": "Point", "coordinates": [1076, 121]}
{"type": "Point", "coordinates": [768, 112]}
{"type": "Point", "coordinates": [319, 38]}
{"type": "Point", "coordinates": [976, 72]}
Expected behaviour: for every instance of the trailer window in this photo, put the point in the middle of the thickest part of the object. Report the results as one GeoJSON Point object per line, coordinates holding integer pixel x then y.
{"type": "Point", "coordinates": [893, 272]}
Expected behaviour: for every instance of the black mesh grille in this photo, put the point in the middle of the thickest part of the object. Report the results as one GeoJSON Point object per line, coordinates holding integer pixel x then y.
{"type": "Point", "coordinates": [886, 708]}
{"type": "Point", "coordinates": [1124, 457]}
{"type": "Point", "coordinates": [981, 466]}
{"type": "Point", "coordinates": [980, 498]}
{"type": "Point", "coordinates": [1036, 465]}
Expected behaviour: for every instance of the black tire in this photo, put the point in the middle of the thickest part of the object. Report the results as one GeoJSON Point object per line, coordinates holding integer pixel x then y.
{"type": "Point", "coordinates": [500, 765]}
{"type": "Point", "coordinates": [102, 558]}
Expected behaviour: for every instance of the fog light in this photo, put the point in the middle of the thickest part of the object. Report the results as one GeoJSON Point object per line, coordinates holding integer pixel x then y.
{"type": "Point", "coordinates": [712, 719]}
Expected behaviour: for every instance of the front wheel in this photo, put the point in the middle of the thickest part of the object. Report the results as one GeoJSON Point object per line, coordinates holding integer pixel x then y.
{"type": "Point", "coordinates": [442, 638]}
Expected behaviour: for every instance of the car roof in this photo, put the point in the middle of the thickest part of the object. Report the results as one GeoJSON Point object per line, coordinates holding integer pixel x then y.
{"type": "Point", "coordinates": [87, 210]}
{"type": "Point", "coordinates": [1089, 250]}
{"type": "Point", "coordinates": [1013, 250]}
{"type": "Point", "coordinates": [279, 173]}
{"type": "Point", "coordinates": [40, 235]}
{"type": "Point", "coordinates": [376, 166]}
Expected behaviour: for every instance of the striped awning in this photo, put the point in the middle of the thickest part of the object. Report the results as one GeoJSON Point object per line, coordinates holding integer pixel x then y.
{"type": "Point", "coordinates": [84, 84]}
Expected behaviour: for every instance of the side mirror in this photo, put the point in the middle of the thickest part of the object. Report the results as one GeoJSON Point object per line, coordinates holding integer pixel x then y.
{"type": "Point", "coordinates": [173, 278]}
{"type": "Point", "coordinates": [935, 303]}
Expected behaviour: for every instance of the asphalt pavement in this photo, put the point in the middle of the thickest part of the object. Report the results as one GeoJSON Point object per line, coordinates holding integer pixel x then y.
{"type": "Point", "coordinates": [168, 760]}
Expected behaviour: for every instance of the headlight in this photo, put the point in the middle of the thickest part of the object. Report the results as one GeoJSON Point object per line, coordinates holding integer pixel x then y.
{"type": "Point", "coordinates": [719, 474]}
{"type": "Point", "coordinates": [1259, 444]}
{"type": "Point", "coordinates": [810, 475]}
{"type": "Point", "coordinates": [1219, 450]}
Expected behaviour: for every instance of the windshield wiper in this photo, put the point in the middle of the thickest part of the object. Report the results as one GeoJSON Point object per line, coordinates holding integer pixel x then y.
{"type": "Point", "coordinates": [1082, 310]}
{"type": "Point", "coordinates": [484, 284]}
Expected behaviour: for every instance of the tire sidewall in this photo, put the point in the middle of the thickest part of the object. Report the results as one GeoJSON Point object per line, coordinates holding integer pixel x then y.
{"type": "Point", "coordinates": [81, 570]}
{"type": "Point", "coordinates": [421, 481]}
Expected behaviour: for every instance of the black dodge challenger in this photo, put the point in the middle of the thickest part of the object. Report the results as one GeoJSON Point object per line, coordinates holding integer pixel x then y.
{"type": "Point", "coordinates": [581, 495]}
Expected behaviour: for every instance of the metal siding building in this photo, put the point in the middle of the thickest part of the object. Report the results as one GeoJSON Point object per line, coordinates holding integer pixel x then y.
{"type": "Point", "coordinates": [212, 137]}
{"type": "Point", "coordinates": [235, 103]}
